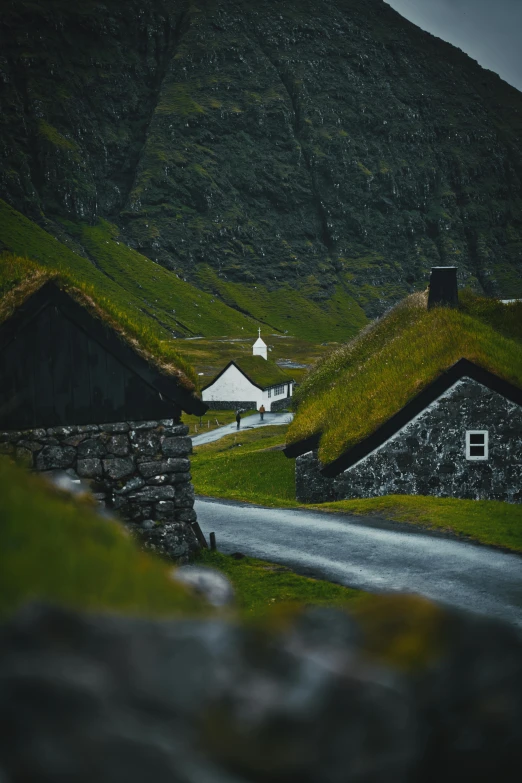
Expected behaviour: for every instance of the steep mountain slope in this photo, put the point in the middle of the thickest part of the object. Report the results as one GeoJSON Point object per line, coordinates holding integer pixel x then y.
{"type": "Point", "coordinates": [328, 148]}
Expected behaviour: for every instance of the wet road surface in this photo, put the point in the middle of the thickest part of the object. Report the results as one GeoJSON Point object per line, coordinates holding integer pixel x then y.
{"type": "Point", "coordinates": [375, 555]}
{"type": "Point", "coordinates": [248, 423]}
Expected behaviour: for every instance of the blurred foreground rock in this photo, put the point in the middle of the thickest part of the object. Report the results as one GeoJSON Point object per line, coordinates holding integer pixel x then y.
{"type": "Point", "coordinates": [399, 691]}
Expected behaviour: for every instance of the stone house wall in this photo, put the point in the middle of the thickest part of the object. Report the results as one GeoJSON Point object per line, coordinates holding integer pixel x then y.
{"type": "Point", "coordinates": [139, 470]}
{"type": "Point", "coordinates": [428, 457]}
{"type": "Point", "coordinates": [231, 405]}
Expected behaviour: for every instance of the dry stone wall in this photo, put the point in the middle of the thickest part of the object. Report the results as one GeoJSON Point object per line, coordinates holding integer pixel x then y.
{"type": "Point", "coordinates": [427, 456]}
{"type": "Point", "coordinates": [139, 470]}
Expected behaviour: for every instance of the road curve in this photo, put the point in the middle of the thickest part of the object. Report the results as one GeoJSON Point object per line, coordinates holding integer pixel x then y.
{"type": "Point", "coordinates": [252, 422]}
{"type": "Point", "coordinates": [373, 555]}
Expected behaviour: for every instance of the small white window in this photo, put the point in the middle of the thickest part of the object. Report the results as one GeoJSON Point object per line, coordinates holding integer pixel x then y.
{"type": "Point", "coordinates": [477, 444]}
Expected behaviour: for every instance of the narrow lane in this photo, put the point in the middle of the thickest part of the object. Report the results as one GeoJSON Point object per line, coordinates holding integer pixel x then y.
{"type": "Point", "coordinates": [375, 555]}
{"type": "Point", "coordinates": [248, 423]}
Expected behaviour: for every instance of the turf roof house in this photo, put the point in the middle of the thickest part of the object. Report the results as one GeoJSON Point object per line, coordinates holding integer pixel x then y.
{"type": "Point", "coordinates": [431, 404]}
{"type": "Point", "coordinates": [76, 395]}
{"type": "Point", "coordinates": [249, 382]}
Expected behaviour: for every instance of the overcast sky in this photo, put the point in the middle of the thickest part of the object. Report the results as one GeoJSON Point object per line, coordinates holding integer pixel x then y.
{"type": "Point", "coordinates": [490, 31]}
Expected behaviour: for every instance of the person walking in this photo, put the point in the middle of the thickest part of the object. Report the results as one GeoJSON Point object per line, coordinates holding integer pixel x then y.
{"type": "Point", "coordinates": [238, 418]}
{"type": "Point", "coordinates": [262, 411]}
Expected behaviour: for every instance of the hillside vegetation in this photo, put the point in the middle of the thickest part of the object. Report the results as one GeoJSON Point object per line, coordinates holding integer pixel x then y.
{"type": "Point", "coordinates": [305, 162]}
{"type": "Point", "coordinates": [359, 386]}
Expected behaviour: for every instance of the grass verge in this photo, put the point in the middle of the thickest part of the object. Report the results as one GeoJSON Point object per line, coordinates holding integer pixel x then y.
{"type": "Point", "coordinates": [260, 585]}
{"type": "Point", "coordinates": [212, 420]}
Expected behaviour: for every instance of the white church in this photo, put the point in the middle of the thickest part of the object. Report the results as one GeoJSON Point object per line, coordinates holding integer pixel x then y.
{"type": "Point", "coordinates": [249, 382]}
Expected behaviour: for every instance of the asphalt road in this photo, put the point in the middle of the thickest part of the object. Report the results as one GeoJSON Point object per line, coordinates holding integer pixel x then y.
{"type": "Point", "coordinates": [375, 556]}
{"type": "Point", "coordinates": [248, 423]}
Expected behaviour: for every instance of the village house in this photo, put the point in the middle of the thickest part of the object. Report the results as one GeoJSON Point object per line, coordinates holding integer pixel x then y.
{"type": "Point", "coordinates": [428, 402]}
{"type": "Point", "coordinates": [77, 395]}
{"type": "Point", "coordinates": [249, 382]}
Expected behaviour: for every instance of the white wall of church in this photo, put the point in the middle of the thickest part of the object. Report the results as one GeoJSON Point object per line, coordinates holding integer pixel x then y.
{"type": "Point", "coordinates": [233, 385]}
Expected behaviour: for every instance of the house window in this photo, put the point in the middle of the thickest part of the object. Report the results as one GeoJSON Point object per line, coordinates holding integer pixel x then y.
{"type": "Point", "coordinates": [270, 392]}
{"type": "Point", "coordinates": [477, 444]}
{"type": "Point", "coordinates": [278, 390]}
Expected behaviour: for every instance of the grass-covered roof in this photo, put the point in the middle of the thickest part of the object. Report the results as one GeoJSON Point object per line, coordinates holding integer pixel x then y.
{"type": "Point", "coordinates": [20, 278]}
{"type": "Point", "coordinates": [358, 387]}
{"type": "Point", "coordinates": [261, 372]}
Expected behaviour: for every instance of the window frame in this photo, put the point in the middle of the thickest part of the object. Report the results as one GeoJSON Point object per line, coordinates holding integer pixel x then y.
{"type": "Point", "coordinates": [469, 445]}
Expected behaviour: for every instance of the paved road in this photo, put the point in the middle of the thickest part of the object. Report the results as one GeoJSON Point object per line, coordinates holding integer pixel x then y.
{"type": "Point", "coordinates": [374, 556]}
{"type": "Point", "coordinates": [248, 423]}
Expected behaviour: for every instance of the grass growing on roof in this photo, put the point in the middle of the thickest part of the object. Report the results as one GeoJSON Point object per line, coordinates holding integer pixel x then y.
{"type": "Point", "coordinates": [55, 548]}
{"type": "Point", "coordinates": [358, 387]}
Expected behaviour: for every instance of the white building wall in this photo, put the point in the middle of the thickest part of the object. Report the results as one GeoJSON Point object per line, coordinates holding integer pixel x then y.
{"type": "Point", "coordinates": [233, 385]}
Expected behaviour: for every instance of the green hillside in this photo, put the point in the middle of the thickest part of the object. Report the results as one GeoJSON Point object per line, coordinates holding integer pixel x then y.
{"type": "Point", "coordinates": [304, 160]}
{"type": "Point", "coordinates": [145, 292]}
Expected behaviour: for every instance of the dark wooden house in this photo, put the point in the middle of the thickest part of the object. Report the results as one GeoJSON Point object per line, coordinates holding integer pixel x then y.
{"type": "Point", "coordinates": [61, 365]}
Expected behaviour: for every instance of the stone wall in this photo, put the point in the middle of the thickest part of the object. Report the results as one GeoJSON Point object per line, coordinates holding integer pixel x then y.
{"type": "Point", "coordinates": [231, 405]}
{"type": "Point", "coordinates": [428, 457]}
{"type": "Point", "coordinates": [139, 470]}
{"type": "Point", "coordinates": [280, 405]}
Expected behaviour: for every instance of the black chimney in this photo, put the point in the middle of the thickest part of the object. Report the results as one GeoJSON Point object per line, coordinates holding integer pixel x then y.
{"type": "Point", "coordinates": [443, 287]}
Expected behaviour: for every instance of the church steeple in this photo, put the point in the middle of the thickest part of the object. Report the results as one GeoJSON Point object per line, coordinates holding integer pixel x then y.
{"type": "Point", "coordinates": [260, 347]}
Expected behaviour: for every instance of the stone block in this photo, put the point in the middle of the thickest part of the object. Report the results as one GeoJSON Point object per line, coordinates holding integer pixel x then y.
{"type": "Point", "coordinates": [164, 509]}
{"type": "Point", "coordinates": [7, 448]}
{"type": "Point", "coordinates": [145, 443]}
{"type": "Point", "coordinates": [89, 468]}
{"type": "Point", "coordinates": [179, 430]}
{"type": "Point", "coordinates": [134, 484]}
{"type": "Point", "coordinates": [158, 481]}
{"type": "Point", "coordinates": [186, 515]}
{"type": "Point", "coordinates": [10, 437]}
{"type": "Point", "coordinates": [30, 445]}
{"type": "Point", "coordinates": [144, 425]}
{"type": "Point", "coordinates": [171, 465]}
{"type": "Point", "coordinates": [185, 496]}
{"type": "Point", "coordinates": [92, 447]}
{"type": "Point", "coordinates": [52, 457]}
{"type": "Point", "coordinates": [180, 478]}
{"type": "Point", "coordinates": [62, 431]}
{"type": "Point", "coordinates": [176, 447]}
{"type": "Point", "coordinates": [119, 467]}
{"type": "Point", "coordinates": [88, 428]}
{"type": "Point", "coordinates": [115, 428]}
{"type": "Point", "coordinates": [153, 494]}
{"type": "Point", "coordinates": [37, 434]}
{"type": "Point", "coordinates": [118, 445]}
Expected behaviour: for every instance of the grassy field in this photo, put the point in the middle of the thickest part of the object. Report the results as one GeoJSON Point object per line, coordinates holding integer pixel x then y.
{"type": "Point", "coordinates": [358, 387]}
{"type": "Point", "coordinates": [250, 467]}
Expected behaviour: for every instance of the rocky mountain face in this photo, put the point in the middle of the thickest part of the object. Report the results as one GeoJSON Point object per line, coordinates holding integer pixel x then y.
{"type": "Point", "coordinates": [305, 144]}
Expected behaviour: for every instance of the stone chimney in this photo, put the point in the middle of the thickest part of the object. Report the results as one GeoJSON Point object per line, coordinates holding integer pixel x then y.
{"type": "Point", "coordinates": [443, 290]}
